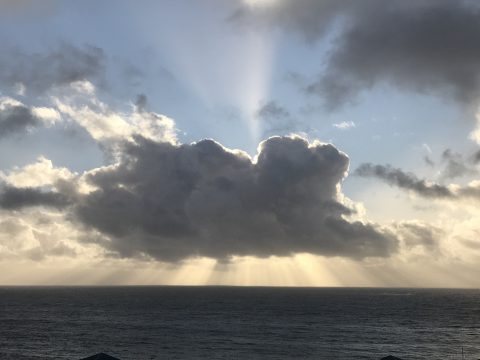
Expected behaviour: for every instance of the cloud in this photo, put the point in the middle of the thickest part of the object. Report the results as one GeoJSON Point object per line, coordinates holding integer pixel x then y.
{"type": "Point", "coordinates": [15, 198]}
{"type": "Point", "coordinates": [105, 124]}
{"type": "Point", "coordinates": [422, 46]}
{"type": "Point", "coordinates": [424, 188]}
{"type": "Point", "coordinates": [172, 202]}
{"type": "Point", "coordinates": [272, 110]}
{"type": "Point", "coordinates": [16, 117]}
{"type": "Point", "coordinates": [429, 48]}
{"type": "Point", "coordinates": [41, 173]}
{"type": "Point", "coordinates": [344, 125]}
{"type": "Point", "coordinates": [455, 165]}
{"type": "Point", "coordinates": [476, 157]}
{"type": "Point", "coordinates": [276, 119]}
{"type": "Point", "coordinates": [63, 65]}
{"type": "Point", "coordinates": [419, 234]}
{"type": "Point", "coordinates": [428, 161]}
{"type": "Point", "coordinates": [311, 18]}
{"type": "Point", "coordinates": [37, 235]}
{"type": "Point", "coordinates": [403, 180]}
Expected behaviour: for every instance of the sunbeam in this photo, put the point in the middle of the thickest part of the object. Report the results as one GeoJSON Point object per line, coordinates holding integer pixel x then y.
{"type": "Point", "coordinates": [221, 68]}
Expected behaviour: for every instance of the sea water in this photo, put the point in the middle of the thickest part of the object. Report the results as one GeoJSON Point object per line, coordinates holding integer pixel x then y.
{"type": "Point", "coordinates": [238, 323]}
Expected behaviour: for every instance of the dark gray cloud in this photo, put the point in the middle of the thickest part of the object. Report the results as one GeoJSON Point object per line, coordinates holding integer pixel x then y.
{"type": "Point", "coordinates": [272, 110]}
{"type": "Point", "coordinates": [420, 234]}
{"type": "Point", "coordinates": [424, 46]}
{"type": "Point", "coordinates": [403, 180]}
{"type": "Point", "coordinates": [62, 65]}
{"type": "Point", "coordinates": [476, 157]}
{"type": "Point", "coordinates": [141, 102]}
{"type": "Point", "coordinates": [312, 18]}
{"type": "Point", "coordinates": [14, 198]}
{"type": "Point", "coordinates": [16, 119]}
{"type": "Point", "coordinates": [455, 165]}
{"type": "Point", "coordinates": [276, 119]}
{"type": "Point", "coordinates": [429, 161]}
{"type": "Point", "coordinates": [409, 181]}
{"type": "Point", "coordinates": [174, 202]}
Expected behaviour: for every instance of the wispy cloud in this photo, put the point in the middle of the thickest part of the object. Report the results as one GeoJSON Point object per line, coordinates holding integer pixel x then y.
{"type": "Point", "coordinates": [344, 125]}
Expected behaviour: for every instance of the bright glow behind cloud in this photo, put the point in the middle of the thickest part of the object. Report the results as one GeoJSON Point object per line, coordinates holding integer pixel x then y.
{"type": "Point", "coordinates": [260, 3]}
{"type": "Point", "coordinates": [220, 67]}
{"type": "Point", "coordinates": [256, 80]}
{"type": "Point", "coordinates": [475, 134]}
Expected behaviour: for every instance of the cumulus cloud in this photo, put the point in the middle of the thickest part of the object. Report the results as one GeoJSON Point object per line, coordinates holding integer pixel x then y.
{"type": "Point", "coordinates": [37, 235]}
{"type": "Point", "coordinates": [37, 185]}
{"type": "Point", "coordinates": [424, 46]}
{"type": "Point", "coordinates": [63, 65]}
{"type": "Point", "coordinates": [173, 202]}
{"type": "Point", "coordinates": [41, 173]}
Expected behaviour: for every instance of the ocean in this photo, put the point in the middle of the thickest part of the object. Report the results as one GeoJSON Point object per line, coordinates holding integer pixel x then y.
{"type": "Point", "coordinates": [238, 323]}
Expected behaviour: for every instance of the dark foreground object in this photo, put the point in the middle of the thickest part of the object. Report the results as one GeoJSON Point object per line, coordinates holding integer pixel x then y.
{"type": "Point", "coordinates": [390, 357]}
{"type": "Point", "coordinates": [100, 356]}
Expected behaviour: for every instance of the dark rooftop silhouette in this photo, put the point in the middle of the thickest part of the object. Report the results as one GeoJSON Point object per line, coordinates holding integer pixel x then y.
{"type": "Point", "coordinates": [100, 356]}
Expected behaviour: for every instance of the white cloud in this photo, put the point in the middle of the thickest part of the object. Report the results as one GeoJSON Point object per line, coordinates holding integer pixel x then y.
{"type": "Point", "coordinates": [105, 124]}
{"type": "Point", "coordinates": [40, 173]}
{"type": "Point", "coordinates": [48, 115]}
{"type": "Point", "coordinates": [6, 102]}
{"type": "Point", "coordinates": [344, 125]}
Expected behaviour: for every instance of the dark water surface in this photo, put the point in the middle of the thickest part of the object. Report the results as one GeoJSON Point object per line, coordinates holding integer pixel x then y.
{"type": "Point", "coordinates": [238, 323]}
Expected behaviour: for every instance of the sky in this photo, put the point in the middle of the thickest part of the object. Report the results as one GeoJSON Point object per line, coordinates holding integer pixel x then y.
{"type": "Point", "coordinates": [240, 142]}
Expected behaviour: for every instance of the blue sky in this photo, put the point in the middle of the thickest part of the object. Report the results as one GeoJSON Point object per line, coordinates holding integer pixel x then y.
{"type": "Point", "coordinates": [189, 58]}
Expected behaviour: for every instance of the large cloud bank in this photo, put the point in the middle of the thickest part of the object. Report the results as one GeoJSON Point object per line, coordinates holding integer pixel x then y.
{"type": "Point", "coordinates": [171, 202]}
